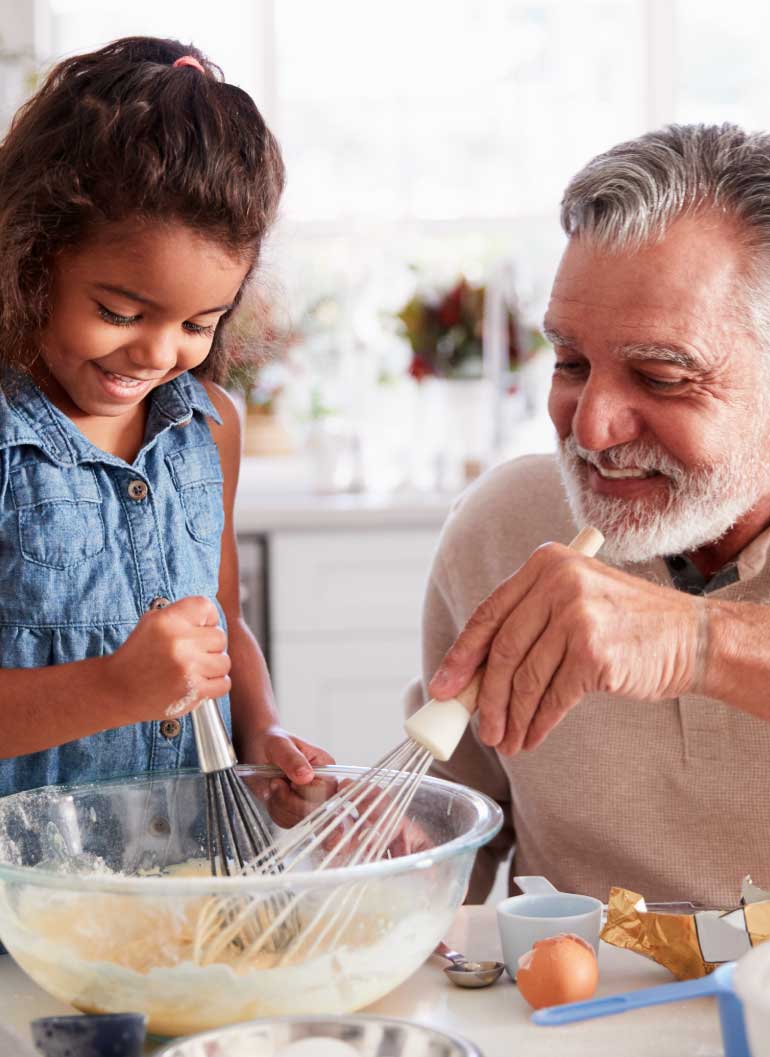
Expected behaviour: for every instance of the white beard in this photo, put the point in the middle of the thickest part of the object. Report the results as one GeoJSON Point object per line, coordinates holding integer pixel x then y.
{"type": "Point", "coordinates": [701, 506]}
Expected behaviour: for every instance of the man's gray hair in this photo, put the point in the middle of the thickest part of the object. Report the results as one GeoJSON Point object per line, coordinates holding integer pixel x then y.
{"type": "Point", "coordinates": [632, 194]}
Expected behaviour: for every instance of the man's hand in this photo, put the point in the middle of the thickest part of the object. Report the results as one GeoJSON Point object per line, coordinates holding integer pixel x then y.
{"type": "Point", "coordinates": [564, 626]}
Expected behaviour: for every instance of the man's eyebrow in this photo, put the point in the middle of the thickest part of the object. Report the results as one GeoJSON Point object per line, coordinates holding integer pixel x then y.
{"type": "Point", "coordinates": [668, 352]}
{"type": "Point", "coordinates": [142, 300]}
{"type": "Point", "coordinates": [557, 338]}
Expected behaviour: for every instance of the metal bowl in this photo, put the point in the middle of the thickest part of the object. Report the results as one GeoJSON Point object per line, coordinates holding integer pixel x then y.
{"type": "Point", "coordinates": [323, 1037]}
{"type": "Point", "coordinates": [88, 909]}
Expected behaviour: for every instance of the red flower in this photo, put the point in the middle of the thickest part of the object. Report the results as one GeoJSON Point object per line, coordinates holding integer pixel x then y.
{"type": "Point", "coordinates": [449, 310]}
{"type": "Point", "coordinates": [419, 368]}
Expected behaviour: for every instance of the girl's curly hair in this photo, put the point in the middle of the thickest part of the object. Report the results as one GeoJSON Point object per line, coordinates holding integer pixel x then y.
{"type": "Point", "coordinates": [119, 133]}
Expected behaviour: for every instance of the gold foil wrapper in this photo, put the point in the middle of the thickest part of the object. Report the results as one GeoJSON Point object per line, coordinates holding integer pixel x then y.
{"type": "Point", "coordinates": [758, 921]}
{"type": "Point", "coordinates": [675, 940]}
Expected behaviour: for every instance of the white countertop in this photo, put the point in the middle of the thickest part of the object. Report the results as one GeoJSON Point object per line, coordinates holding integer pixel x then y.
{"type": "Point", "coordinates": [258, 512]}
{"type": "Point", "coordinates": [495, 1019]}
{"type": "Point", "coordinates": [277, 493]}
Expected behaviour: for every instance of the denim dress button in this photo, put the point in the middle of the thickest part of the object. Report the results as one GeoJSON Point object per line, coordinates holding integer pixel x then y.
{"type": "Point", "coordinates": [159, 603]}
{"type": "Point", "coordinates": [170, 728]}
{"type": "Point", "coordinates": [137, 490]}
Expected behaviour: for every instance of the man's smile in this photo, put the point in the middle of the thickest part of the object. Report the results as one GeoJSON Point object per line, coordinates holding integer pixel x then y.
{"type": "Point", "coordinates": [623, 483]}
{"type": "Point", "coordinates": [624, 473]}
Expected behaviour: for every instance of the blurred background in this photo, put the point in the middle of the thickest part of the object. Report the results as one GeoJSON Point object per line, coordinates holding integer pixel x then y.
{"type": "Point", "coordinates": [427, 144]}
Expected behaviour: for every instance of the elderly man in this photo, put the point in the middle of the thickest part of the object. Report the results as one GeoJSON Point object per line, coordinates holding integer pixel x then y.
{"type": "Point", "coordinates": [623, 717]}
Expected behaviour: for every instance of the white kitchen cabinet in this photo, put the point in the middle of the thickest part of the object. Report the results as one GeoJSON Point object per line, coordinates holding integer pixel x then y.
{"type": "Point", "coordinates": [344, 632]}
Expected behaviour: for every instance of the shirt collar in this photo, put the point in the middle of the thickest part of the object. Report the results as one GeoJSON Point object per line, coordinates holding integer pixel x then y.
{"type": "Point", "coordinates": [29, 417]}
{"type": "Point", "coordinates": [745, 566]}
{"type": "Point", "coordinates": [176, 400]}
{"type": "Point", "coordinates": [686, 576]}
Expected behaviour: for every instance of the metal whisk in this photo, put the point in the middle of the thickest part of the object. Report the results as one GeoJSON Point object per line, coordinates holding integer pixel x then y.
{"type": "Point", "coordinates": [238, 840]}
{"type": "Point", "coordinates": [356, 825]}
{"type": "Point", "coordinates": [236, 835]}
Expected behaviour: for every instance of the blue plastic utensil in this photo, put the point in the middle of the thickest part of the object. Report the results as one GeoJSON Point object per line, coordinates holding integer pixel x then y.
{"type": "Point", "coordinates": [718, 984]}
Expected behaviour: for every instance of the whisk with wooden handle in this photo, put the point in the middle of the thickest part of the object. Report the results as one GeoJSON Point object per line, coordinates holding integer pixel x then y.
{"type": "Point", "coordinates": [359, 823]}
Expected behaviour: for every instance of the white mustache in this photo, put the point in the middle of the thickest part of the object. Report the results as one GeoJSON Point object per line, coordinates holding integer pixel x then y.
{"type": "Point", "coordinates": [637, 456]}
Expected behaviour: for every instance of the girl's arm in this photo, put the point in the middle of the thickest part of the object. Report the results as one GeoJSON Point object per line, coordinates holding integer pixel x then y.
{"type": "Point", "coordinates": [257, 733]}
{"type": "Point", "coordinates": [43, 707]}
{"type": "Point", "coordinates": [171, 659]}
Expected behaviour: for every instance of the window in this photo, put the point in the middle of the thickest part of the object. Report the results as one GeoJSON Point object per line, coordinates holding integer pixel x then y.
{"type": "Point", "coordinates": [449, 109]}
{"type": "Point", "coordinates": [722, 71]}
{"type": "Point", "coordinates": [437, 136]}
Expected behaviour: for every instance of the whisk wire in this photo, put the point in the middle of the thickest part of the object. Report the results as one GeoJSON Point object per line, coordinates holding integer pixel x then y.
{"type": "Point", "coordinates": [375, 842]}
{"type": "Point", "coordinates": [306, 838]}
{"type": "Point", "coordinates": [335, 912]}
{"type": "Point", "coordinates": [255, 832]}
{"type": "Point", "coordinates": [359, 822]}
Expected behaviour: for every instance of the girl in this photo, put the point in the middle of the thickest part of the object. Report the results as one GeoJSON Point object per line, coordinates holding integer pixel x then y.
{"type": "Point", "coordinates": [136, 188]}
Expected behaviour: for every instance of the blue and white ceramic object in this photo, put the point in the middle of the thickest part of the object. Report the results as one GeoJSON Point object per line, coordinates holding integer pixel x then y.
{"type": "Point", "coordinates": [97, 1035]}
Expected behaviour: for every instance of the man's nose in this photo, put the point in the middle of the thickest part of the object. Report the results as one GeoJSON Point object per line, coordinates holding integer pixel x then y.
{"type": "Point", "coordinates": [605, 416]}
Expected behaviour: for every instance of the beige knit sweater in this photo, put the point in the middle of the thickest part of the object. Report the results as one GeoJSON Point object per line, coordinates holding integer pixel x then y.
{"type": "Point", "coordinates": [668, 798]}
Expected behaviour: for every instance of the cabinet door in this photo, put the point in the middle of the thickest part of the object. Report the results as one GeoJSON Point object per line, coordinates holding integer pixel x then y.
{"type": "Point", "coordinates": [349, 580]}
{"type": "Point", "coordinates": [346, 693]}
{"type": "Point", "coordinates": [345, 634]}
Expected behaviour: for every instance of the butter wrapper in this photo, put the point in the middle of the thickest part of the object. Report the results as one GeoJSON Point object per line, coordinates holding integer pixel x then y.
{"type": "Point", "coordinates": [689, 944]}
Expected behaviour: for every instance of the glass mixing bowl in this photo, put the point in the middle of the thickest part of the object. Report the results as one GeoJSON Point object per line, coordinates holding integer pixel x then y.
{"type": "Point", "coordinates": [107, 902]}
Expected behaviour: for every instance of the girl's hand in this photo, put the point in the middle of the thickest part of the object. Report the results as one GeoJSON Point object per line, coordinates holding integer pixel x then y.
{"type": "Point", "coordinates": [294, 756]}
{"type": "Point", "coordinates": [289, 801]}
{"type": "Point", "coordinates": [172, 659]}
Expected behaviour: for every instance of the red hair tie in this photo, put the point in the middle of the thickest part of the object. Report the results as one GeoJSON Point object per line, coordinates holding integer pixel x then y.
{"type": "Point", "coordinates": [189, 60]}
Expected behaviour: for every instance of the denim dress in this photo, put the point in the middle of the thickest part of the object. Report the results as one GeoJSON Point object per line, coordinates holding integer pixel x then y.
{"type": "Point", "coordinates": [88, 543]}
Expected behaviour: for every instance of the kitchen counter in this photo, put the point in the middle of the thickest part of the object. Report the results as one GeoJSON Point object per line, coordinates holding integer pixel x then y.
{"type": "Point", "coordinates": [280, 492]}
{"type": "Point", "coordinates": [496, 1019]}
{"type": "Point", "coordinates": [261, 512]}
{"type": "Point", "coordinates": [277, 493]}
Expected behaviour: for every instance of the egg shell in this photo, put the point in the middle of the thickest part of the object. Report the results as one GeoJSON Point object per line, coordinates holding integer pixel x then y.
{"type": "Point", "coordinates": [559, 969]}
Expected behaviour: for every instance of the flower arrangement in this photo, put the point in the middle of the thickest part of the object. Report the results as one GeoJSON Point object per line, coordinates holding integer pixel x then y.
{"type": "Point", "coordinates": [445, 331]}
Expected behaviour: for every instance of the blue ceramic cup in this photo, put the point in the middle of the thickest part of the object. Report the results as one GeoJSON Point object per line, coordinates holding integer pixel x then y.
{"type": "Point", "coordinates": [542, 912]}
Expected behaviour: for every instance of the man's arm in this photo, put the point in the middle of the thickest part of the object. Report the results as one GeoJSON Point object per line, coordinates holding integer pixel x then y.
{"type": "Point", "coordinates": [733, 662]}
{"type": "Point", "coordinates": [472, 763]}
{"type": "Point", "coordinates": [564, 625]}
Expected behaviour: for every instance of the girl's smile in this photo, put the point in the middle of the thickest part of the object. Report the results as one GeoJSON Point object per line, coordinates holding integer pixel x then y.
{"type": "Point", "coordinates": [124, 386]}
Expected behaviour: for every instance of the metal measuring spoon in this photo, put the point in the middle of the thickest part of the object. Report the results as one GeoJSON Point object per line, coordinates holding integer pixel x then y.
{"type": "Point", "coordinates": [466, 973]}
